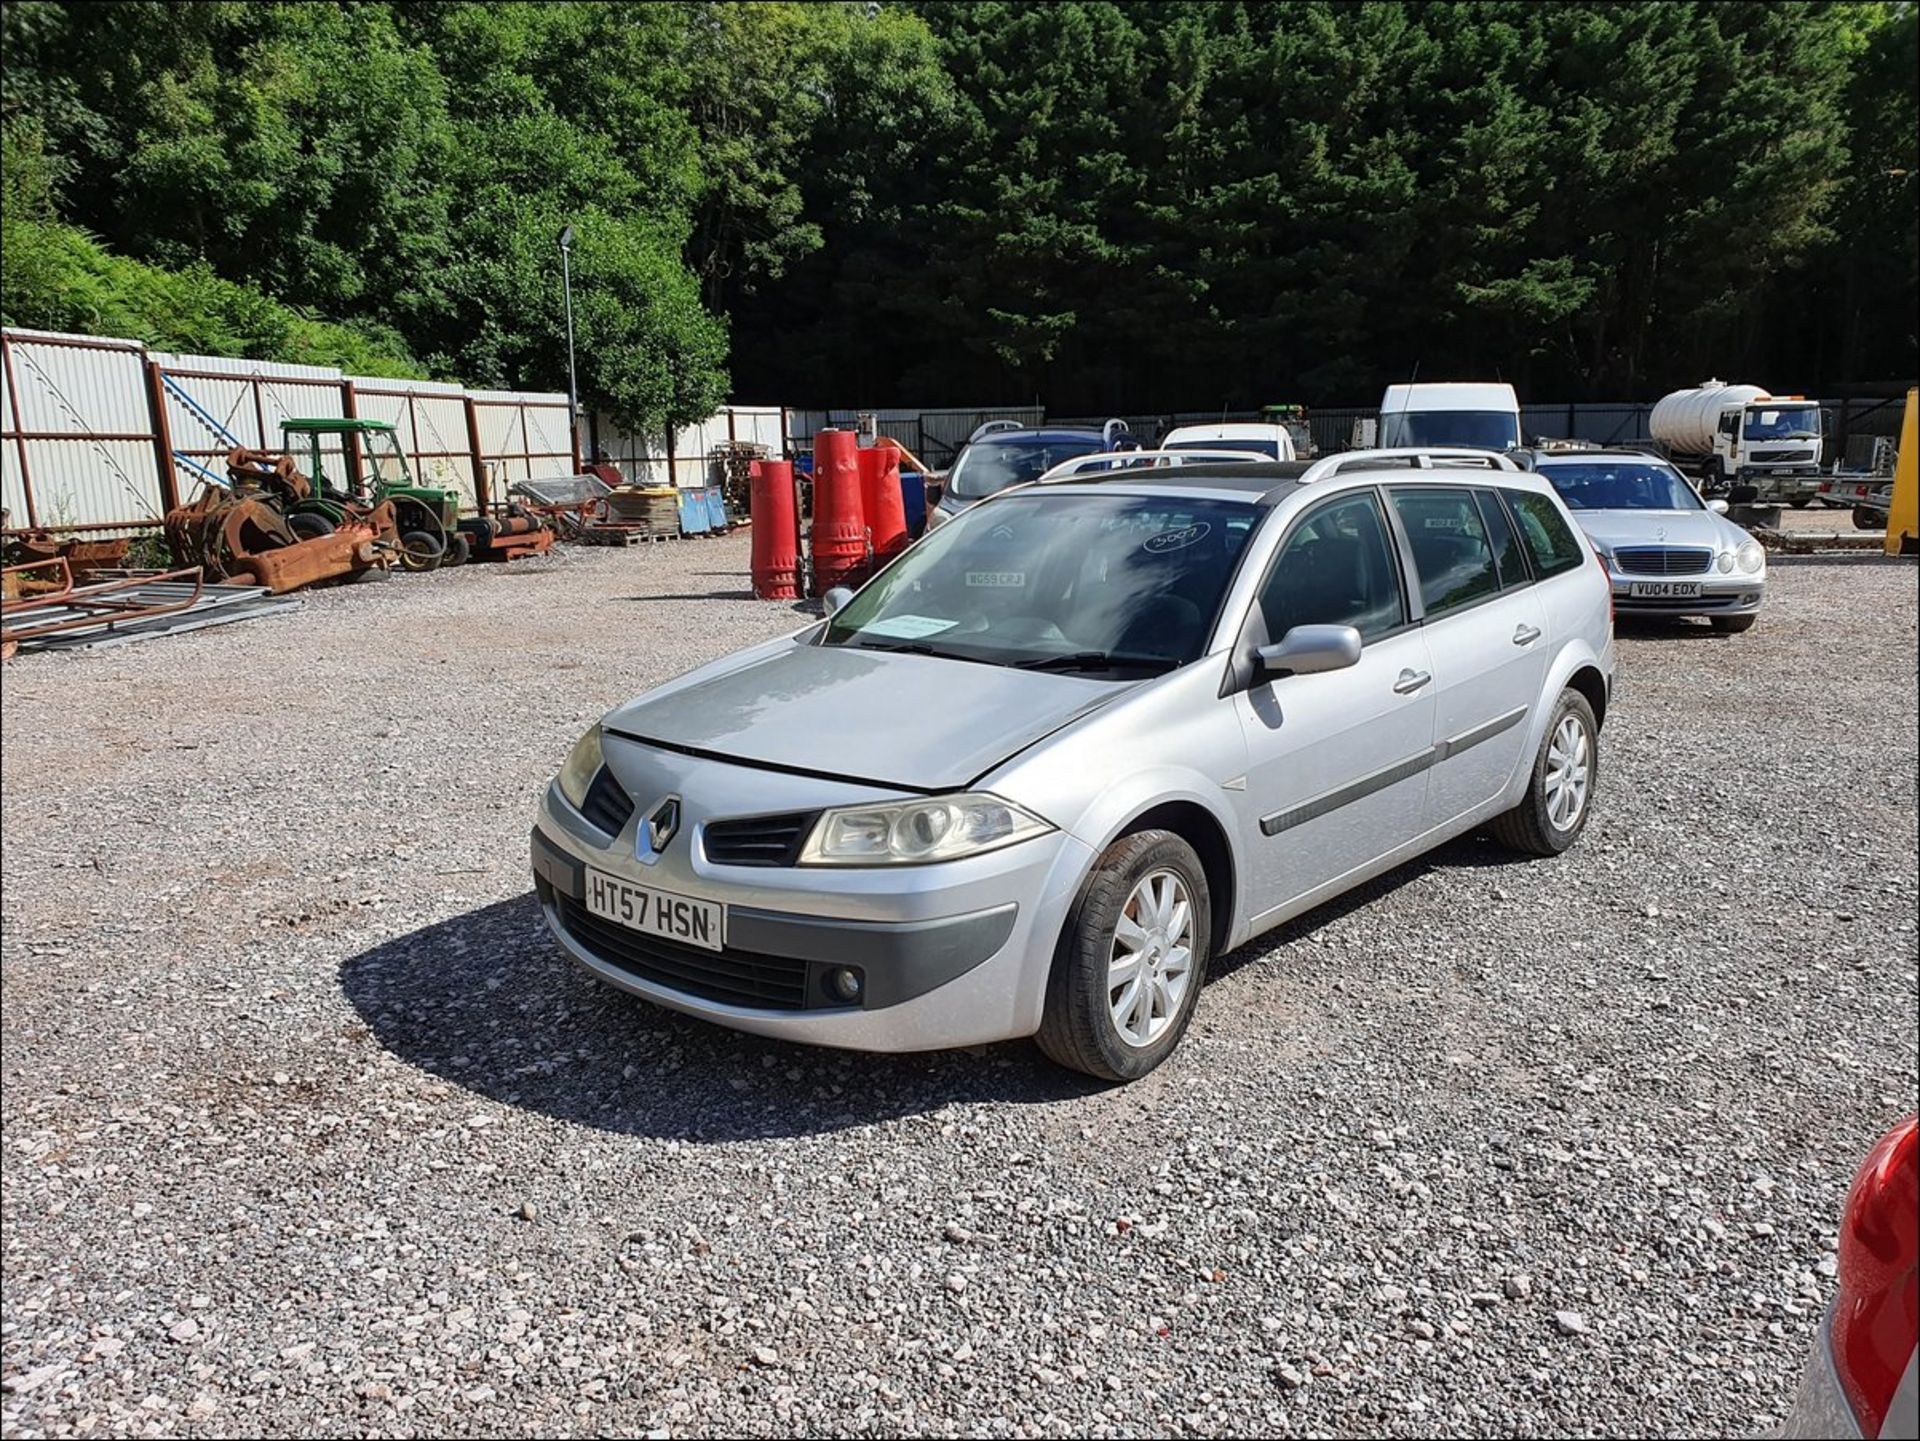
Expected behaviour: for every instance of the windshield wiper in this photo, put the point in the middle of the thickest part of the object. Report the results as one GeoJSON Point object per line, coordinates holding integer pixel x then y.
{"type": "Point", "coordinates": [919, 648]}
{"type": "Point", "coordinates": [1096, 660]}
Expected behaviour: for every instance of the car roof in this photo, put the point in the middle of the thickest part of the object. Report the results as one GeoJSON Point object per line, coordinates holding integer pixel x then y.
{"type": "Point", "coordinates": [1228, 429]}
{"type": "Point", "coordinates": [1040, 433]}
{"type": "Point", "coordinates": [1268, 482]}
{"type": "Point", "coordinates": [1538, 458]}
{"type": "Point", "coordinates": [1259, 481]}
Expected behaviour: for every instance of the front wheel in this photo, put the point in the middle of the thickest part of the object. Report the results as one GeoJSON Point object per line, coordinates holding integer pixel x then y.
{"type": "Point", "coordinates": [1559, 794]}
{"type": "Point", "coordinates": [1132, 959]}
{"type": "Point", "coordinates": [1864, 519]}
{"type": "Point", "coordinates": [1733, 624]}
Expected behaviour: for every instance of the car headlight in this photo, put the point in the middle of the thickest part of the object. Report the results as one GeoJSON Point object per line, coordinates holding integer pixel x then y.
{"type": "Point", "coordinates": [583, 763]}
{"type": "Point", "coordinates": [1726, 561]}
{"type": "Point", "coordinates": [940, 828]}
{"type": "Point", "coordinates": [1752, 557]}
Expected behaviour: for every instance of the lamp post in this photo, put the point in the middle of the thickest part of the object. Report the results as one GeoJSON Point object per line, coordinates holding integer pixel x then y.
{"type": "Point", "coordinates": [573, 387]}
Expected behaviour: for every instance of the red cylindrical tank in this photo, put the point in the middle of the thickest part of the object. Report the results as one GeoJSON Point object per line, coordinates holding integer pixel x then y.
{"type": "Point", "coordinates": [839, 531]}
{"type": "Point", "coordinates": [881, 499]}
{"type": "Point", "coordinates": [776, 537]}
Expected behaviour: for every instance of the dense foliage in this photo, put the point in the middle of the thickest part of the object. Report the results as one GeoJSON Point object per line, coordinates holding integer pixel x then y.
{"type": "Point", "coordinates": [1101, 205]}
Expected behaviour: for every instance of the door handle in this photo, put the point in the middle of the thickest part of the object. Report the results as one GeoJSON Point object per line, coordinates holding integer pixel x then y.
{"type": "Point", "coordinates": [1411, 681]}
{"type": "Point", "coordinates": [1526, 635]}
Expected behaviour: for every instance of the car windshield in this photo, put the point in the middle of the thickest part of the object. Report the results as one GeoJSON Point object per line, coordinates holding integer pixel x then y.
{"type": "Point", "coordinates": [1788, 422]}
{"type": "Point", "coordinates": [989, 466]}
{"type": "Point", "coordinates": [1267, 448]}
{"type": "Point", "coordinates": [1110, 584]}
{"type": "Point", "coordinates": [1486, 429]}
{"type": "Point", "coordinates": [1621, 485]}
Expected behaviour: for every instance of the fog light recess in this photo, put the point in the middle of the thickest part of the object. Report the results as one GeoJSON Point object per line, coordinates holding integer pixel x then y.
{"type": "Point", "coordinates": [845, 984]}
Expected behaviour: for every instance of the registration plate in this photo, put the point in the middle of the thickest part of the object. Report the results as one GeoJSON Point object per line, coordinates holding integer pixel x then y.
{"type": "Point", "coordinates": [1665, 589]}
{"type": "Point", "coordinates": [658, 913]}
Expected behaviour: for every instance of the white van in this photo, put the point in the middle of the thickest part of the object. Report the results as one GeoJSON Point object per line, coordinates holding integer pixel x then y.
{"type": "Point", "coordinates": [1261, 438]}
{"type": "Point", "coordinates": [1476, 413]}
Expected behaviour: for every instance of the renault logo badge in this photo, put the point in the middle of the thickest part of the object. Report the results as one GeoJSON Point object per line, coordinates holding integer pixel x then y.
{"type": "Point", "coordinates": [660, 828]}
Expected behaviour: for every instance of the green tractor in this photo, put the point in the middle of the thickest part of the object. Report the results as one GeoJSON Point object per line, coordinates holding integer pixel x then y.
{"type": "Point", "coordinates": [358, 464]}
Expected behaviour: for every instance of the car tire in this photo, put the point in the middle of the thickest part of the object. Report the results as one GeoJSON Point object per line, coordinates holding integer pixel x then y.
{"type": "Point", "coordinates": [1539, 825]}
{"type": "Point", "coordinates": [1865, 519]}
{"type": "Point", "coordinates": [1733, 624]}
{"type": "Point", "coordinates": [459, 549]}
{"type": "Point", "coordinates": [1080, 1028]}
{"type": "Point", "coordinates": [1799, 502]}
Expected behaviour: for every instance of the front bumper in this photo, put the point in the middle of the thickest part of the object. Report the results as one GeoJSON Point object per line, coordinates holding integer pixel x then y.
{"type": "Point", "coordinates": [952, 954]}
{"type": "Point", "coordinates": [1720, 594]}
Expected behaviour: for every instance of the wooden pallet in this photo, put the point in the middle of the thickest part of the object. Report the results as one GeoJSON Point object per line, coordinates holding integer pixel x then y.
{"type": "Point", "coordinates": [624, 535]}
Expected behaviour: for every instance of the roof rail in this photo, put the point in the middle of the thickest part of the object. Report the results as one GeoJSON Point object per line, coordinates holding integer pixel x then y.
{"type": "Point", "coordinates": [1407, 457]}
{"type": "Point", "coordinates": [1110, 463]}
{"type": "Point", "coordinates": [993, 425]}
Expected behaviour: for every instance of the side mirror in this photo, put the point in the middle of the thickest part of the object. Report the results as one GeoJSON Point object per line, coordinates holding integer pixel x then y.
{"type": "Point", "coordinates": [1306, 650]}
{"type": "Point", "coordinates": [834, 599]}
{"type": "Point", "coordinates": [1718, 507]}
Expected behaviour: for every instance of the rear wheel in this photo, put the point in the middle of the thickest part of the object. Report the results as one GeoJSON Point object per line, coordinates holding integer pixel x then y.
{"type": "Point", "coordinates": [1733, 624]}
{"type": "Point", "coordinates": [459, 548]}
{"type": "Point", "coordinates": [1865, 519]}
{"type": "Point", "coordinates": [1800, 502]}
{"type": "Point", "coordinates": [1559, 794]}
{"type": "Point", "coordinates": [1131, 961]}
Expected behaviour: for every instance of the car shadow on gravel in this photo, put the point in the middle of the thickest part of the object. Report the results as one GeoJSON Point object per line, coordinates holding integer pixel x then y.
{"type": "Point", "coordinates": [1470, 852]}
{"type": "Point", "coordinates": [486, 1001]}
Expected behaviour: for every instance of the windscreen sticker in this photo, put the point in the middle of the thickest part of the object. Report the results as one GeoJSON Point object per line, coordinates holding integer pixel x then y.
{"type": "Point", "coordinates": [997, 579]}
{"type": "Point", "coordinates": [1179, 539]}
{"type": "Point", "coordinates": [907, 627]}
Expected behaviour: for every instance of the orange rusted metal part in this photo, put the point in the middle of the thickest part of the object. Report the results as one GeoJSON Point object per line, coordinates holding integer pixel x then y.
{"type": "Point", "coordinates": [219, 529]}
{"type": "Point", "coordinates": [57, 580]}
{"type": "Point", "coordinates": [269, 470]}
{"type": "Point", "coordinates": [85, 556]}
{"type": "Point", "coordinates": [346, 551]}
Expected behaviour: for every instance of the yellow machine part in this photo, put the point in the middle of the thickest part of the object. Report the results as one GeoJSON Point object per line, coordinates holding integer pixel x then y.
{"type": "Point", "coordinates": [1903, 520]}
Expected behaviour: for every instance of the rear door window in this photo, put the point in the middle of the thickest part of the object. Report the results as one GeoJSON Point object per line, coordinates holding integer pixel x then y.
{"type": "Point", "coordinates": [1550, 540]}
{"type": "Point", "coordinates": [1508, 551]}
{"type": "Point", "coordinates": [1452, 553]}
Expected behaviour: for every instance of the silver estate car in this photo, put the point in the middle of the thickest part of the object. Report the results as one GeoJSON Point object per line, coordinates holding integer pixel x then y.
{"type": "Point", "coordinates": [1081, 739]}
{"type": "Point", "coordinates": [1668, 552]}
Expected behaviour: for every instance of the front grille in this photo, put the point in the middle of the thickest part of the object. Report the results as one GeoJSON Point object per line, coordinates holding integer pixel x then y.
{"type": "Point", "coordinates": [735, 978]}
{"type": "Point", "coordinates": [607, 805]}
{"type": "Point", "coordinates": [759, 840]}
{"type": "Point", "coordinates": [1662, 560]}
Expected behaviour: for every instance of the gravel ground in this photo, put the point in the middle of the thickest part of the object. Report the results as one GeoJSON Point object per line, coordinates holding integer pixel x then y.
{"type": "Point", "coordinates": [309, 1129]}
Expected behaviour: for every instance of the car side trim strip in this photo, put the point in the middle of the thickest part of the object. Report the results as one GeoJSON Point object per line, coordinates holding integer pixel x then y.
{"type": "Point", "coordinates": [1346, 795]}
{"type": "Point", "coordinates": [1392, 775]}
{"type": "Point", "coordinates": [1468, 739]}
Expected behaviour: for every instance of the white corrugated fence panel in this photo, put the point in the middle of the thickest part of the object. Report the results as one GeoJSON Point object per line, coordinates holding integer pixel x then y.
{"type": "Point", "coordinates": [549, 450]}
{"type": "Point", "coordinates": [430, 419]}
{"type": "Point", "coordinates": [90, 457]}
{"type": "Point", "coordinates": [91, 482]}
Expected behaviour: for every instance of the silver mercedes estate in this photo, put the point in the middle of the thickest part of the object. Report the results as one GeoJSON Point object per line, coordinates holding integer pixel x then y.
{"type": "Point", "coordinates": [1079, 740]}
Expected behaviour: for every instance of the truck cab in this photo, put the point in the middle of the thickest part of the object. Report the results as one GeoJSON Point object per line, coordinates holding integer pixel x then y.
{"type": "Point", "coordinates": [1771, 443]}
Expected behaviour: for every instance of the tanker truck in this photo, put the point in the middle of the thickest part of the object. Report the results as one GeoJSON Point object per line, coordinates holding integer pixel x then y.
{"type": "Point", "coordinates": [1728, 435]}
